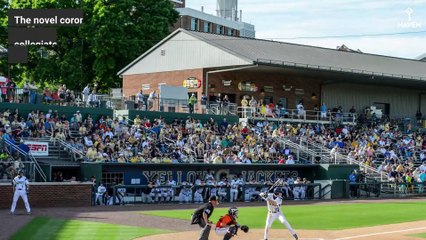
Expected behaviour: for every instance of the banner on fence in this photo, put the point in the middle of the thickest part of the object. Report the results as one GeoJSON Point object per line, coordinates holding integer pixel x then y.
{"type": "Point", "coordinates": [38, 148]}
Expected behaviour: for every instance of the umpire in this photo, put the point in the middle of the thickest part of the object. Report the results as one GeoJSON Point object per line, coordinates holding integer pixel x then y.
{"type": "Point", "coordinates": [201, 217]}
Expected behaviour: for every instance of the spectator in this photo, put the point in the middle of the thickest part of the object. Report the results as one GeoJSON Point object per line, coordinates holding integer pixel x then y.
{"type": "Point", "coordinates": [26, 92]}
{"type": "Point", "coordinates": [191, 103]}
{"type": "Point", "coordinates": [85, 94]}
{"type": "Point", "coordinates": [244, 105]}
{"type": "Point", "coordinates": [203, 103]}
{"type": "Point", "coordinates": [151, 99]}
{"type": "Point", "coordinates": [140, 100]}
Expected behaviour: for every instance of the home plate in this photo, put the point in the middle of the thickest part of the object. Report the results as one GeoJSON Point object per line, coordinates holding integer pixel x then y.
{"type": "Point", "coordinates": [299, 238]}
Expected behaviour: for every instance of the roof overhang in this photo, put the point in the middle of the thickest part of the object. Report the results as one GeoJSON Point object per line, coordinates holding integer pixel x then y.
{"type": "Point", "coordinates": [330, 76]}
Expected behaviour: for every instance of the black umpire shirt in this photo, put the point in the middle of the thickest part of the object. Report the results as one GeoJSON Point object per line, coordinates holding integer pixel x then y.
{"type": "Point", "coordinates": [205, 208]}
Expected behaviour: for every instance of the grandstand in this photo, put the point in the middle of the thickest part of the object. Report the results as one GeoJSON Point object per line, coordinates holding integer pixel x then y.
{"type": "Point", "coordinates": [312, 119]}
{"type": "Point", "coordinates": [112, 147]}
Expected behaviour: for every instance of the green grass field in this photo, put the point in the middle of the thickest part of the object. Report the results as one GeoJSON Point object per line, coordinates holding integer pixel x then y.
{"type": "Point", "coordinates": [420, 235]}
{"type": "Point", "coordinates": [41, 228]}
{"type": "Point", "coordinates": [321, 217]}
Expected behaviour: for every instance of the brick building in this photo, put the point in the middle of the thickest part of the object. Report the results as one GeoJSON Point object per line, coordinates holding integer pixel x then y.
{"type": "Point", "coordinates": [228, 20]}
{"type": "Point", "coordinates": [279, 72]}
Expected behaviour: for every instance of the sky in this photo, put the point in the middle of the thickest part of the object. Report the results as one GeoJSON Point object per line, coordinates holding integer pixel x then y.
{"type": "Point", "coordinates": [387, 27]}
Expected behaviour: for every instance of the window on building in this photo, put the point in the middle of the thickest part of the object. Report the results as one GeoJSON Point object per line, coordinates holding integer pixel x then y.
{"type": "Point", "coordinates": [218, 29]}
{"type": "Point", "coordinates": [208, 27]}
{"type": "Point", "coordinates": [111, 178]}
{"type": "Point", "coordinates": [222, 30]}
{"type": "Point", "coordinates": [194, 24]}
{"type": "Point", "coordinates": [230, 32]}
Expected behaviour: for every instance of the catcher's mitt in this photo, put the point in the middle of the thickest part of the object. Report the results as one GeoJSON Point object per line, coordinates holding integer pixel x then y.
{"type": "Point", "coordinates": [245, 228]}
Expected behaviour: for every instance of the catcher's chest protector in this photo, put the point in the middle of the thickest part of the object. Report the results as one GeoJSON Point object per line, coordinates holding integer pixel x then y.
{"type": "Point", "coordinates": [225, 220]}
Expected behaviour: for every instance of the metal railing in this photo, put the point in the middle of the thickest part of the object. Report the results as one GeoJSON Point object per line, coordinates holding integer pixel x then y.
{"type": "Point", "coordinates": [26, 166]}
{"type": "Point", "coordinates": [72, 150]}
{"type": "Point", "coordinates": [27, 156]}
{"type": "Point", "coordinates": [311, 154]}
{"type": "Point", "coordinates": [338, 157]}
{"type": "Point", "coordinates": [134, 193]}
{"type": "Point", "coordinates": [293, 115]}
{"type": "Point", "coordinates": [387, 189]}
{"type": "Point", "coordinates": [192, 154]}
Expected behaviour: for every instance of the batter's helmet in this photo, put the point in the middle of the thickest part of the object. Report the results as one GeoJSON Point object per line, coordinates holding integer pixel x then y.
{"type": "Point", "coordinates": [233, 211]}
{"type": "Point", "coordinates": [277, 191]}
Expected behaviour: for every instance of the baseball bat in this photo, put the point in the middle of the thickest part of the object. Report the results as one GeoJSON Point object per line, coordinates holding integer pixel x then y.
{"type": "Point", "coordinates": [276, 183]}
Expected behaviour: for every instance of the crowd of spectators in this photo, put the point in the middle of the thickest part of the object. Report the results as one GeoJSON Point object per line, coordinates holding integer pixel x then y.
{"type": "Point", "coordinates": [400, 155]}
{"type": "Point", "coordinates": [60, 94]}
{"type": "Point", "coordinates": [187, 140]}
{"type": "Point", "coordinates": [383, 146]}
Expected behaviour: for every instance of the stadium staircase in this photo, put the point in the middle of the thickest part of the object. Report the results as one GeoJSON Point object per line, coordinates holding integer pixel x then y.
{"type": "Point", "coordinates": [60, 155]}
{"type": "Point", "coordinates": [371, 174]}
{"type": "Point", "coordinates": [28, 162]}
{"type": "Point", "coordinates": [311, 150]}
{"type": "Point", "coordinates": [304, 154]}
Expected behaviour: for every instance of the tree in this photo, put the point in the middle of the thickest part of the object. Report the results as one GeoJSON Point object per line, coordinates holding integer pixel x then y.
{"type": "Point", "coordinates": [4, 6]}
{"type": "Point", "coordinates": [113, 33]}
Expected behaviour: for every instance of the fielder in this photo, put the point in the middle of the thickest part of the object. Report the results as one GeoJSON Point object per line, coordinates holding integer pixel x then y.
{"type": "Point", "coordinates": [274, 202]}
{"type": "Point", "coordinates": [20, 187]}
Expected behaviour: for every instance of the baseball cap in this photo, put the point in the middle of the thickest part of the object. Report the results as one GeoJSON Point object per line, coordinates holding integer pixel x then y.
{"type": "Point", "coordinates": [213, 198]}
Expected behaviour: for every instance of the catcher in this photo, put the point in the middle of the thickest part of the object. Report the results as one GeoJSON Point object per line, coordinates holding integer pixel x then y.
{"type": "Point", "coordinates": [227, 225]}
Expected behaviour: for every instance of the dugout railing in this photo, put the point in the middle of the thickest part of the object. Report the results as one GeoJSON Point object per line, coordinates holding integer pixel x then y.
{"type": "Point", "coordinates": [135, 194]}
{"type": "Point", "coordinates": [386, 189]}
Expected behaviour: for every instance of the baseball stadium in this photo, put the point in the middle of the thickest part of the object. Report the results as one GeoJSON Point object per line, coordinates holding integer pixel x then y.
{"type": "Point", "coordinates": [210, 133]}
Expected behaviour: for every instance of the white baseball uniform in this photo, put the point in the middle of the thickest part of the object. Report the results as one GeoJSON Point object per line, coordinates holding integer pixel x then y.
{"type": "Point", "coordinates": [21, 185]}
{"type": "Point", "coordinates": [298, 190]}
{"type": "Point", "coordinates": [121, 192]}
{"type": "Point", "coordinates": [250, 192]}
{"type": "Point", "coordinates": [274, 212]}
{"type": "Point", "coordinates": [171, 191]}
{"type": "Point", "coordinates": [222, 190]}
{"type": "Point", "coordinates": [198, 195]}
{"type": "Point", "coordinates": [100, 193]}
{"type": "Point", "coordinates": [234, 190]}
{"type": "Point", "coordinates": [185, 194]}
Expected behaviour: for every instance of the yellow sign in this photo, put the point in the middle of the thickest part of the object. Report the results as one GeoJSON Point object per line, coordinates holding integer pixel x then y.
{"type": "Point", "coordinates": [192, 82]}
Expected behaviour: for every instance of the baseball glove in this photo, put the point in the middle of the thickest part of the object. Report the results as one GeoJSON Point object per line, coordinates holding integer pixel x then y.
{"type": "Point", "coordinates": [245, 228]}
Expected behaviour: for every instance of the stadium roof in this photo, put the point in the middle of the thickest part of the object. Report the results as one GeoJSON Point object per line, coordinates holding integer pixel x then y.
{"type": "Point", "coordinates": [265, 52]}
{"type": "Point", "coordinates": [422, 57]}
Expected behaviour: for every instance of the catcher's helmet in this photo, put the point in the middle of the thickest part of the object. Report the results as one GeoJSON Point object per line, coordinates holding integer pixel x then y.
{"type": "Point", "coordinates": [278, 191]}
{"type": "Point", "coordinates": [233, 211]}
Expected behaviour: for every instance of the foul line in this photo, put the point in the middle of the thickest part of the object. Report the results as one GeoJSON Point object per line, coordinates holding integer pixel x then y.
{"type": "Point", "coordinates": [381, 233]}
